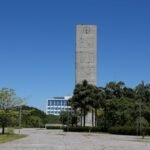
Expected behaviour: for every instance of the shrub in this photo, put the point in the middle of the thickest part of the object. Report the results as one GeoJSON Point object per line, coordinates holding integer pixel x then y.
{"type": "Point", "coordinates": [10, 131]}
{"type": "Point", "coordinates": [83, 129]}
{"type": "Point", "coordinates": [53, 127]}
{"type": "Point", "coordinates": [42, 126]}
{"type": "Point", "coordinates": [146, 131]}
{"type": "Point", "coordinates": [124, 130]}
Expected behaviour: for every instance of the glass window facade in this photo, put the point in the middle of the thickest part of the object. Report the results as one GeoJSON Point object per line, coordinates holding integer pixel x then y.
{"type": "Point", "coordinates": [57, 104]}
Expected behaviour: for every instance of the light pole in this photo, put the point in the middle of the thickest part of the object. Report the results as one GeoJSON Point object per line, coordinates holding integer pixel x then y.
{"type": "Point", "coordinates": [20, 118]}
{"type": "Point", "coordinates": [140, 115]}
{"type": "Point", "coordinates": [137, 127]}
{"type": "Point", "coordinates": [67, 118]}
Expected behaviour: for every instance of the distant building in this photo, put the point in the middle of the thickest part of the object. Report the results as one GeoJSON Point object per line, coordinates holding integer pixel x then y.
{"type": "Point", "coordinates": [55, 105]}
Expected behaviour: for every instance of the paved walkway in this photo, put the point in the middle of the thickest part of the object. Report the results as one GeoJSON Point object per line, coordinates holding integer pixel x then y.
{"type": "Point", "coordinates": [57, 140]}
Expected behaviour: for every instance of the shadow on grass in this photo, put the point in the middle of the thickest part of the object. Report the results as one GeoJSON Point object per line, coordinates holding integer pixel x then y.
{"type": "Point", "coordinates": [10, 137]}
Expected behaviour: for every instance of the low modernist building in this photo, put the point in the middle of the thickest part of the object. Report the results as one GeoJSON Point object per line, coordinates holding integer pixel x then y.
{"type": "Point", "coordinates": [57, 104]}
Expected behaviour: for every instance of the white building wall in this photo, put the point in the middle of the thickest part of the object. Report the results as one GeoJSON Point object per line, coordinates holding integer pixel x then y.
{"type": "Point", "coordinates": [55, 105]}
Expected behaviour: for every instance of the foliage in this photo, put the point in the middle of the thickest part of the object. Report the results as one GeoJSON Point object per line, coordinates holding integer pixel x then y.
{"type": "Point", "coordinates": [33, 117]}
{"type": "Point", "coordinates": [30, 117]}
{"type": "Point", "coordinates": [121, 111]}
{"type": "Point", "coordinates": [8, 100]}
{"type": "Point", "coordinates": [85, 99]}
{"type": "Point", "coordinates": [114, 105]}
{"type": "Point", "coordinates": [64, 117]}
{"type": "Point", "coordinates": [68, 118]}
{"type": "Point", "coordinates": [53, 127]}
{"type": "Point", "coordinates": [83, 129]}
{"type": "Point", "coordinates": [53, 119]}
{"type": "Point", "coordinates": [125, 130]}
{"type": "Point", "coordinates": [10, 131]}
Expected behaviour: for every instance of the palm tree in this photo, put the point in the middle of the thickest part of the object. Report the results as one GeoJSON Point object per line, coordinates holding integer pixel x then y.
{"type": "Point", "coordinates": [81, 100]}
{"type": "Point", "coordinates": [142, 91]}
{"type": "Point", "coordinates": [98, 100]}
{"type": "Point", "coordinates": [114, 89]}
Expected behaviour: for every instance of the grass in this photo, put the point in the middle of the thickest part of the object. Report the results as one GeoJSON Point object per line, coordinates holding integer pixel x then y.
{"type": "Point", "coordinates": [145, 139]}
{"type": "Point", "coordinates": [10, 137]}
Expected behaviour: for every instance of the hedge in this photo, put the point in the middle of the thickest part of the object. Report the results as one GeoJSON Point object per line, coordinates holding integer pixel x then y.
{"type": "Point", "coordinates": [123, 130]}
{"type": "Point", "coordinates": [53, 127]}
{"type": "Point", "coordinates": [83, 129]}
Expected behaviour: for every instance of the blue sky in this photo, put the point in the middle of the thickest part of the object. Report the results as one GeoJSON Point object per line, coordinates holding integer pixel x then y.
{"type": "Point", "coordinates": [37, 44]}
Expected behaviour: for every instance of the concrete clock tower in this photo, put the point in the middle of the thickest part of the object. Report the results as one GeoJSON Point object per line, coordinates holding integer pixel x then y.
{"type": "Point", "coordinates": [86, 49]}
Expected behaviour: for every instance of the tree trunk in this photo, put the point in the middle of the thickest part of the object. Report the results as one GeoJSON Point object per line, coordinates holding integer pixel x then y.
{"type": "Point", "coordinates": [3, 129]}
{"type": "Point", "coordinates": [84, 115]}
{"type": "Point", "coordinates": [81, 117]}
{"type": "Point", "coordinates": [105, 118]}
{"type": "Point", "coordinates": [92, 118]}
{"type": "Point", "coordinates": [76, 118]}
{"type": "Point", "coordinates": [95, 117]}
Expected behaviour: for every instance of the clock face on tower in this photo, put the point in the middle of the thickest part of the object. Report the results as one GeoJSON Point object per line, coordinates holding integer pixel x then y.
{"type": "Point", "coordinates": [86, 38]}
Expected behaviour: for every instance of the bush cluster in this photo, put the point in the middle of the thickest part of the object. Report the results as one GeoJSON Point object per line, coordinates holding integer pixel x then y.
{"type": "Point", "coordinates": [83, 129]}
{"type": "Point", "coordinates": [53, 127]}
{"type": "Point", "coordinates": [121, 130]}
{"type": "Point", "coordinates": [125, 130]}
{"type": "Point", "coordinates": [10, 131]}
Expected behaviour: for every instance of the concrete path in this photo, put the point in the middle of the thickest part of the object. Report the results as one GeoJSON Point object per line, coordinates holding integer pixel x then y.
{"type": "Point", "coordinates": [57, 140]}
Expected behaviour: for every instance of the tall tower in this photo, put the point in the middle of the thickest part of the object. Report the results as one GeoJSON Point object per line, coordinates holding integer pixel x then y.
{"type": "Point", "coordinates": [86, 46]}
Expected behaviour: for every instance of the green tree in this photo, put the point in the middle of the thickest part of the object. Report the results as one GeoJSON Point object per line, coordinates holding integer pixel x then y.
{"type": "Point", "coordinates": [33, 117]}
{"type": "Point", "coordinates": [97, 101]}
{"type": "Point", "coordinates": [64, 117]}
{"type": "Point", "coordinates": [53, 119]}
{"type": "Point", "coordinates": [114, 89]}
{"type": "Point", "coordinates": [142, 91]}
{"type": "Point", "coordinates": [81, 100]}
{"type": "Point", "coordinates": [129, 92]}
{"type": "Point", "coordinates": [68, 118]}
{"type": "Point", "coordinates": [8, 100]}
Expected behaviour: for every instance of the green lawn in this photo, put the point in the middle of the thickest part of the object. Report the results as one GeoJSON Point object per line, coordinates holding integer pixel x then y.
{"type": "Point", "coordinates": [10, 137]}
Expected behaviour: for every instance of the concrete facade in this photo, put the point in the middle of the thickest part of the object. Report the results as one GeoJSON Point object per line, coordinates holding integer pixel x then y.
{"type": "Point", "coordinates": [86, 53]}
{"type": "Point", "coordinates": [86, 46]}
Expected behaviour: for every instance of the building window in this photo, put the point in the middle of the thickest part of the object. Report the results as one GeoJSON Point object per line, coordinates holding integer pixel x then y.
{"type": "Point", "coordinates": [59, 103]}
{"type": "Point", "coordinates": [52, 103]}
{"type": "Point", "coordinates": [55, 103]}
{"type": "Point", "coordinates": [48, 102]}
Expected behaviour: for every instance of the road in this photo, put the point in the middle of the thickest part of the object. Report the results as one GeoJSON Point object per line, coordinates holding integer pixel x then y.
{"type": "Point", "coordinates": [57, 140]}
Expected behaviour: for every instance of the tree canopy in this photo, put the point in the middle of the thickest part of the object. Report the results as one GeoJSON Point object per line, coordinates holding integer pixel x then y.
{"type": "Point", "coordinates": [114, 105]}
{"type": "Point", "coordinates": [8, 100]}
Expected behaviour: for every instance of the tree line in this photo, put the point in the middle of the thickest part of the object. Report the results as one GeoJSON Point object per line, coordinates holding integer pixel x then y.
{"type": "Point", "coordinates": [112, 105]}
{"type": "Point", "coordinates": [13, 112]}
